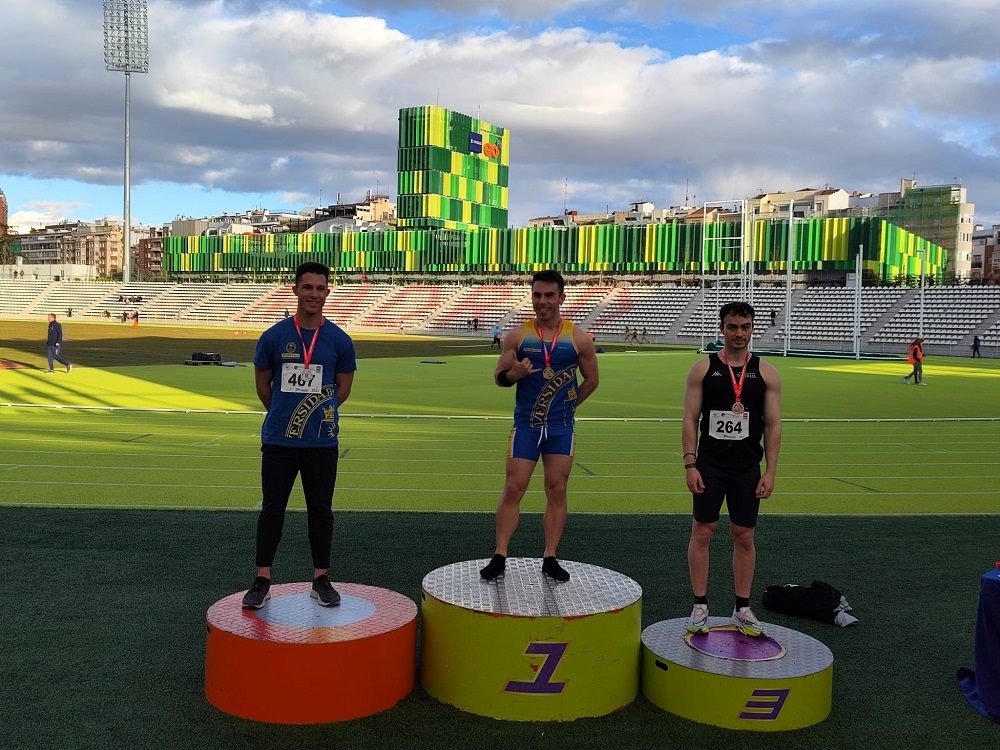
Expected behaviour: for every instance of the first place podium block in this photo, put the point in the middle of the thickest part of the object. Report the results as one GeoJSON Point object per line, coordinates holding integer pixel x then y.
{"type": "Point", "coordinates": [527, 648]}
{"type": "Point", "coordinates": [295, 662]}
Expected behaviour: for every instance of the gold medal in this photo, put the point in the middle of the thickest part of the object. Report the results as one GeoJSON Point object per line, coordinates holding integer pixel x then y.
{"type": "Point", "coordinates": [548, 372]}
{"type": "Point", "coordinates": [737, 408]}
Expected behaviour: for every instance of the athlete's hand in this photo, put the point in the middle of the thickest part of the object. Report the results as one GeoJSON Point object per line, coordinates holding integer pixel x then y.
{"type": "Point", "coordinates": [694, 481]}
{"type": "Point", "coordinates": [765, 487]}
{"type": "Point", "coordinates": [522, 369]}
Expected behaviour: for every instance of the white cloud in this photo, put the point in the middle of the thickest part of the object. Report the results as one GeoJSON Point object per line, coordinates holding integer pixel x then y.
{"type": "Point", "coordinates": [287, 99]}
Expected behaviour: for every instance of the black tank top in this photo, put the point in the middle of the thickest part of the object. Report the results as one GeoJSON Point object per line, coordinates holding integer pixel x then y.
{"type": "Point", "coordinates": [718, 395]}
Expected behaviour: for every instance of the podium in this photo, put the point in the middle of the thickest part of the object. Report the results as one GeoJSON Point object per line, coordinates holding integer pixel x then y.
{"type": "Point", "coordinates": [527, 648]}
{"type": "Point", "coordinates": [295, 662]}
{"type": "Point", "coordinates": [727, 679]}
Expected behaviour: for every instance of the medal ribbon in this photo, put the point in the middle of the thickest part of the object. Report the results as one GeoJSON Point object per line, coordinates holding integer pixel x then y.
{"type": "Point", "coordinates": [737, 387]}
{"type": "Point", "coordinates": [548, 352]}
{"type": "Point", "coordinates": [308, 353]}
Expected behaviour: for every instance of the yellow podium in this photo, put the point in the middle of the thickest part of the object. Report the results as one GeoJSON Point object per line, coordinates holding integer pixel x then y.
{"type": "Point", "coordinates": [527, 648]}
{"type": "Point", "coordinates": [727, 679]}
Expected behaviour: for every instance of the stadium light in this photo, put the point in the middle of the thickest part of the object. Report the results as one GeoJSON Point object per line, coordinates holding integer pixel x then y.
{"type": "Point", "coordinates": [126, 50]}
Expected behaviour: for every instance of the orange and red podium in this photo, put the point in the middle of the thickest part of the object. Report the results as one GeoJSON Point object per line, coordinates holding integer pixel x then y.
{"type": "Point", "coordinates": [295, 662]}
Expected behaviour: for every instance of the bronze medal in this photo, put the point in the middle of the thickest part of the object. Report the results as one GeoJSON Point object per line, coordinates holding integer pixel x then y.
{"type": "Point", "coordinates": [548, 372]}
{"type": "Point", "coordinates": [737, 408]}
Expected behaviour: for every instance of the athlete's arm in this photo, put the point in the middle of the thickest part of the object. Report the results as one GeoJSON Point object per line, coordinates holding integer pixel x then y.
{"type": "Point", "coordinates": [263, 377]}
{"type": "Point", "coordinates": [586, 354]}
{"type": "Point", "coordinates": [689, 425]}
{"type": "Point", "coordinates": [344, 381]}
{"type": "Point", "coordinates": [772, 429]}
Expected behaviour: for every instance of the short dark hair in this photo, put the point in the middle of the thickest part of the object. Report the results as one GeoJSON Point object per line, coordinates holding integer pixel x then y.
{"type": "Point", "coordinates": [550, 276]}
{"type": "Point", "coordinates": [739, 309]}
{"type": "Point", "coordinates": [312, 267]}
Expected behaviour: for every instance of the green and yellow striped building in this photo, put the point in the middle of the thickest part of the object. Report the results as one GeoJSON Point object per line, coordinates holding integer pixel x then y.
{"type": "Point", "coordinates": [452, 171]}
{"type": "Point", "coordinates": [887, 251]}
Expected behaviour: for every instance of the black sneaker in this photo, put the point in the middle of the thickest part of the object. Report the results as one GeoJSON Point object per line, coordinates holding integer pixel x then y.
{"type": "Point", "coordinates": [258, 594]}
{"type": "Point", "coordinates": [324, 592]}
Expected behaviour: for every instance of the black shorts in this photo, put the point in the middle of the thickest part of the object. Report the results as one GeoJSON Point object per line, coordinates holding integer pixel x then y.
{"type": "Point", "coordinates": [738, 490]}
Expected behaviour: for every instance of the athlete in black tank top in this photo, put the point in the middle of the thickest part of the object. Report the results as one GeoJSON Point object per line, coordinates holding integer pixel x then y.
{"type": "Point", "coordinates": [733, 456]}
{"type": "Point", "coordinates": [732, 400]}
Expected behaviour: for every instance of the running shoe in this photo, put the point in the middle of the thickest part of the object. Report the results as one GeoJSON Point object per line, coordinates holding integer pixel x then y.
{"type": "Point", "coordinates": [699, 619]}
{"type": "Point", "coordinates": [258, 594]}
{"type": "Point", "coordinates": [324, 592]}
{"type": "Point", "coordinates": [747, 623]}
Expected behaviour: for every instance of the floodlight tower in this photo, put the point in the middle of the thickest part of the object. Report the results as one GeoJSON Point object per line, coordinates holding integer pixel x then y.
{"type": "Point", "coordinates": [126, 49]}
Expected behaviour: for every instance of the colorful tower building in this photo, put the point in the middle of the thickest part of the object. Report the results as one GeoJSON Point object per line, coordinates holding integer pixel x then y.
{"type": "Point", "coordinates": [453, 171]}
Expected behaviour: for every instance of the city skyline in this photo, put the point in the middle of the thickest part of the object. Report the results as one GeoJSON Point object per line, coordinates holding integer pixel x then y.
{"type": "Point", "coordinates": [249, 105]}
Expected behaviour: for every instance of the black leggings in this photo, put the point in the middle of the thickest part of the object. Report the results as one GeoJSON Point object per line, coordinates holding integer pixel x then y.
{"type": "Point", "coordinates": [278, 468]}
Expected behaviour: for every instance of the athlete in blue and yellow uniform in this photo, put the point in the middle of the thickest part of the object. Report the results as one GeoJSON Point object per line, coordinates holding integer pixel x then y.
{"type": "Point", "coordinates": [304, 370]}
{"type": "Point", "coordinates": [543, 358]}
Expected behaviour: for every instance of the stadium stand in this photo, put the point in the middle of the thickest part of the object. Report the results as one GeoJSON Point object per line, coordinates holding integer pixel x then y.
{"type": "Point", "coordinates": [406, 307]}
{"type": "Point", "coordinates": [581, 303]}
{"type": "Point", "coordinates": [491, 304]}
{"type": "Point", "coordinates": [81, 296]}
{"type": "Point", "coordinates": [226, 303]}
{"type": "Point", "coordinates": [827, 314]}
{"type": "Point", "coordinates": [172, 306]}
{"type": "Point", "coordinates": [952, 315]}
{"type": "Point", "coordinates": [17, 297]}
{"type": "Point", "coordinates": [128, 298]}
{"type": "Point", "coordinates": [822, 317]}
{"type": "Point", "coordinates": [655, 309]}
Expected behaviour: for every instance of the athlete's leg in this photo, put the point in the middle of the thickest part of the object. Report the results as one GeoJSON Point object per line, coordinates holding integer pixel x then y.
{"type": "Point", "coordinates": [519, 472]}
{"type": "Point", "coordinates": [557, 469]}
{"type": "Point", "coordinates": [701, 536]}
{"type": "Point", "coordinates": [319, 479]}
{"type": "Point", "coordinates": [279, 467]}
{"type": "Point", "coordinates": [744, 506]}
{"type": "Point", "coordinates": [744, 558]}
{"type": "Point", "coordinates": [706, 507]}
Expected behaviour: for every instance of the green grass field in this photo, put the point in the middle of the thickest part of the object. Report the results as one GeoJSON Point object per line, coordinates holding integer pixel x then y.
{"type": "Point", "coordinates": [887, 491]}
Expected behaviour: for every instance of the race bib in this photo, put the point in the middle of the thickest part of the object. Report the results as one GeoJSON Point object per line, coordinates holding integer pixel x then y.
{"type": "Point", "coordinates": [297, 378]}
{"type": "Point", "coordinates": [728, 425]}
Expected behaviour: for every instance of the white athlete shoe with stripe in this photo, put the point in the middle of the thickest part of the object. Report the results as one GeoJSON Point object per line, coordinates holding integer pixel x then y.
{"type": "Point", "coordinates": [747, 623]}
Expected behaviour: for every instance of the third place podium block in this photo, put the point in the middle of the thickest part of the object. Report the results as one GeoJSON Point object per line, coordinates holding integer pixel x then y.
{"type": "Point", "coordinates": [527, 648]}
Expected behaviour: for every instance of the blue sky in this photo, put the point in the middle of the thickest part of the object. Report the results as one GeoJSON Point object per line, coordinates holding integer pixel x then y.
{"type": "Point", "coordinates": [276, 104]}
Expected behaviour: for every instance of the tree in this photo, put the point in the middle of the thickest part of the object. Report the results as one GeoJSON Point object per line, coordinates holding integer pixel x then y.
{"type": "Point", "coordinates": [7, 254]}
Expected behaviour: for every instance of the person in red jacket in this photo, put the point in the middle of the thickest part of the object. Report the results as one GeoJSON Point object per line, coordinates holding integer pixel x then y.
{"type": "Point", "coordinates": [915, 356]}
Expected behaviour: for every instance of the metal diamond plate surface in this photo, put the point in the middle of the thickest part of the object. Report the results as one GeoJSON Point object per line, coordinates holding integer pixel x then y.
{"type": "Point", "coordinates": [804, 655]}
{"type": "Point", "coordinates": [292, 616]}
{"type": "Point", "coordinates": [524, 591]}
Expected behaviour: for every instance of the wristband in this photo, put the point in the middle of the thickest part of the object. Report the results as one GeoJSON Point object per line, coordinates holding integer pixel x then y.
{"type": "Point", "coordinates": [689, 466]}
{"type": "Point", "coordinates": [502, 380]}
{"type": "Point", "coordinates": [690, 454]}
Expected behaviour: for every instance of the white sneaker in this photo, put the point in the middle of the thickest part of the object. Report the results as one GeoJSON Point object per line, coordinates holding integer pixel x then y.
{"type": "Point", "coordinates": [747, 623]}
{"type": "Point", "coordinates": [699, 619]}
{"type": "Point", "coordinates": [843, 619]}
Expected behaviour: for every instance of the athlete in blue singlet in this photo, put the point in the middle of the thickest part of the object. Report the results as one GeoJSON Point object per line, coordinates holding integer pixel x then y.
{"type": "Point", "coordinates": [543, 358]}
{"type": "Point", "coordinates": [304, 370]}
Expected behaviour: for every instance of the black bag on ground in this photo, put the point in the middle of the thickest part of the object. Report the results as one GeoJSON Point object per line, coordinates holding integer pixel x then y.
{"type": "Point", "coordinates": [819, 601]}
